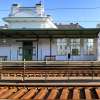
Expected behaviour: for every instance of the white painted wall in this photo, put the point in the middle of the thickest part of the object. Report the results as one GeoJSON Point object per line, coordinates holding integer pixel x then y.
{"type": "Point", "coordinates": [31, 25]}
{"type": "Point", "coordinates": [10, 50]}
{"type": "Point", "coordinates": [14, 51]}
{"type": "Point", "coordinates": [5, 51]}
{"type": "Point", "coordinates": [28, 17]}
{"type": "Point", "coordinates": [43, 49]}
{"type": "Point", "coordinates": [24, 25]}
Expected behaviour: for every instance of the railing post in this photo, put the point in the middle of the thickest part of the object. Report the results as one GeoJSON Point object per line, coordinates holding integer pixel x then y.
{"type": "Point", "coordinates": [92, 70]}
{"type": "Point", "coordinates": [0, 70]}
{"type": "Point", "coordinates": [45, 75]}
{"type": "Point", "coordinates": [24, 70]}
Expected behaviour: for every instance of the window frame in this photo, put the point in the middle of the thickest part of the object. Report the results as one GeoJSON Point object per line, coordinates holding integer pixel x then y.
{"type": "Point", "coordinates": [86, 47]}
{"type": "Point", "coordinates": [69, 45]}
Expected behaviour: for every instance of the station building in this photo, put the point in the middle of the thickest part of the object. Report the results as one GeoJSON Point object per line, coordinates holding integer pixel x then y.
{"type": "Point", "coordinates": [32, 35]}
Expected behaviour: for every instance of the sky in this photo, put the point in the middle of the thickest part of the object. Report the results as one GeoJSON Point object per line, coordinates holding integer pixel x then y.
{"type": "Point", "coordinates": [85, 17]}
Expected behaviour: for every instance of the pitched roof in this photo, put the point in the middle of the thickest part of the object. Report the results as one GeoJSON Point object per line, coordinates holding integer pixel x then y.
{"type": "Point", "coordinates": [69, 26]}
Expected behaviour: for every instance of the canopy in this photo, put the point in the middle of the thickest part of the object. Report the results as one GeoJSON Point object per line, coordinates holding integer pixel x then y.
{"type": "Point", "coordinates": [46, 33]}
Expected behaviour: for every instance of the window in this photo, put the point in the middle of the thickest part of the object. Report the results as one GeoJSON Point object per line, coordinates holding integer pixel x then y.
{"type": "Point", "coordinates": [88, 46]}
{"type": "Point", "coordinates": [62, 46]}
{"type": "Point", "coordinates": [75, 46]}
{"type": "Point", "coordinates": [20, 51]}
{"type": "Point", "coordinates": [65, 46]}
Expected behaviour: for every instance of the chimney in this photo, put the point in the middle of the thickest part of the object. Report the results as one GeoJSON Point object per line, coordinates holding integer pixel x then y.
{"type": "Point", "coordinates": [71, 23]}
{"type": "Point", "coordinates": [39, 9]}
{"type": "Point", "coordinates": [14, 9]}
{"type": "Point", "coordinates": [98, 26]}
{"type": "Point", "coordinates": [77, 25]}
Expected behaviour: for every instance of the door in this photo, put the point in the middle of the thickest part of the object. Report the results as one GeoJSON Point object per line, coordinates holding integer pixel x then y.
{"type": "Point", "coordinates": [27, 50]}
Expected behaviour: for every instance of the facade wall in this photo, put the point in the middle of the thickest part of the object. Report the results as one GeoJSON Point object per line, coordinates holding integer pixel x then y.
{"type": "Point", "coordinates": [44, 50]}
{"type": "Point", "coordinates": [11, 50]}
{"type": "Point", "coordinates": [24, 25]}
{"type": "Point", "coordinates": [31, 25]}
{"type": "Point", "coordinates": [28, 17]}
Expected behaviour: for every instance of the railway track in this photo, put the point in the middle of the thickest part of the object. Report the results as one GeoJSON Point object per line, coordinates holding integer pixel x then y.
{"type": "Point", "coordinates": [50, 92]}
{"type": "Point", "coordinates": [50, 74]}
{"type": "Point", "coordinates": [28, 83]}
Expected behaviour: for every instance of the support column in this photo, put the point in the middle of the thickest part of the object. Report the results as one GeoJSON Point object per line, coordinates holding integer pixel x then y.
{"type": "Point", "coordinates": [81, 48]}
{"type": "Point", "coordinates": [10, 52]}
{"type": "Point", "coordinates": [98, 47]}
{"type": "Point", "coordinates": [95, 48]}
{"type": "Point", "coordinates": [37, 48]}
{"type": "Point", "coordinates": [50, 47]}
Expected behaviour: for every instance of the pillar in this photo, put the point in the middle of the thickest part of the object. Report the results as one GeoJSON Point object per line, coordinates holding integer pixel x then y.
{"type": "Point", "coordinates": [98, 47]}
